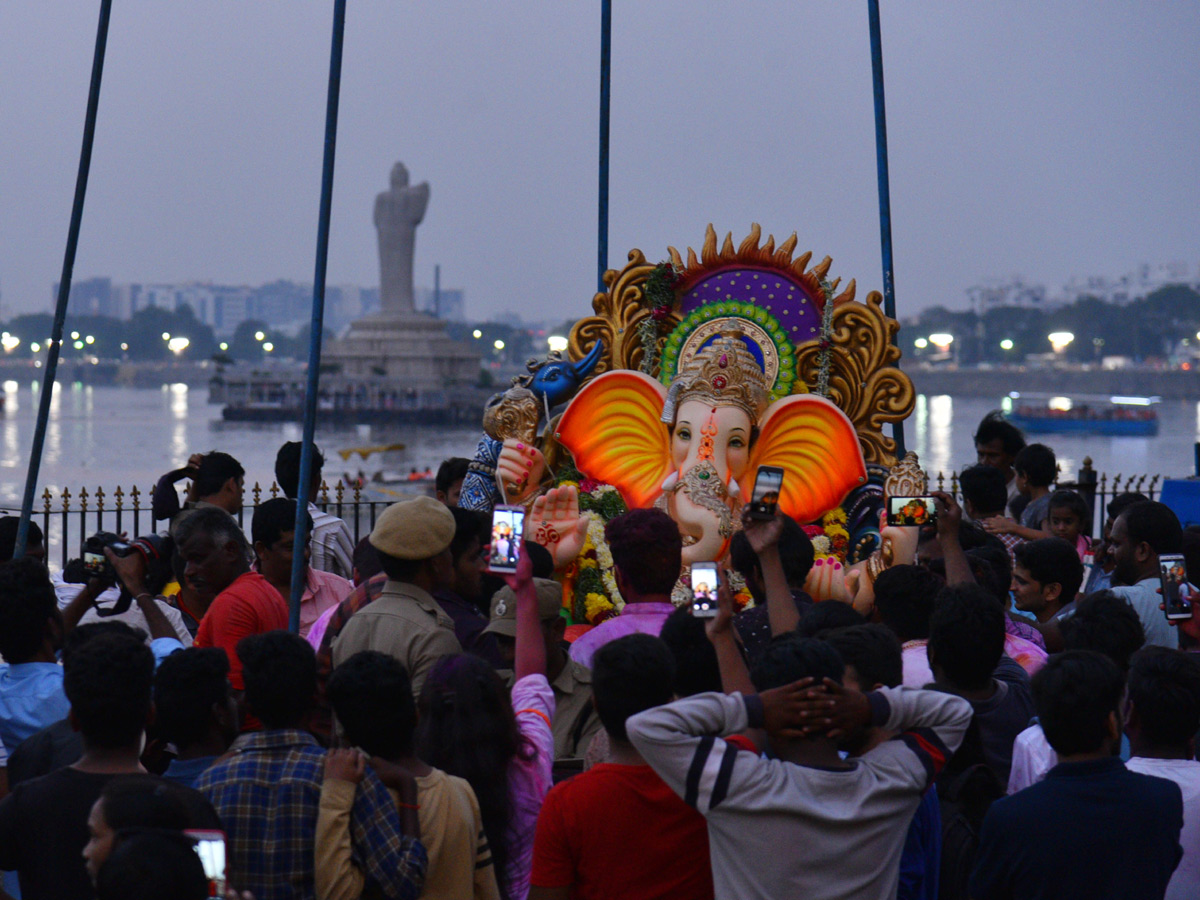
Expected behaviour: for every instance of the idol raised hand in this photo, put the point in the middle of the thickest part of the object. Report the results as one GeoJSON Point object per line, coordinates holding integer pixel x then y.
{"type": "Point", "coordinates": [555, 523]}
{"type": "Point", "coordinates": [519, 470]}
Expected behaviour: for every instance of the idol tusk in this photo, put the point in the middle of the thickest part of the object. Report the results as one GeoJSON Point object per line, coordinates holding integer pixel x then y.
{"type": "Point", "coordinates": [670, 482]}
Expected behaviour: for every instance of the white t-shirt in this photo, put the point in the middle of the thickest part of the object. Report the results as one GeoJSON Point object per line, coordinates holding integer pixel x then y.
{"type": "Point", "coordinates": [1032, 758]}
{"type": "Point", "coordinates": [133, 617]}
{"type": "Point", "coordinates": [1185, 883]}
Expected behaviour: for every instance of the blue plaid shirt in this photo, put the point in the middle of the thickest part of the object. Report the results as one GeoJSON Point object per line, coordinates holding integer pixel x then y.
{"type": "Point", "coordinates": [267, 794]}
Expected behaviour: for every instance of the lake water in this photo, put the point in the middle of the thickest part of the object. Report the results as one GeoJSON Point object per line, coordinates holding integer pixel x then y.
{"type": "Point", "coordinates": [107, 436]}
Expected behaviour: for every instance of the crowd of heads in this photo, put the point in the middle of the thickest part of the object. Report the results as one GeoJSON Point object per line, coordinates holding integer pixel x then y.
{"type": "Point", "coordinates": [1049, 637]}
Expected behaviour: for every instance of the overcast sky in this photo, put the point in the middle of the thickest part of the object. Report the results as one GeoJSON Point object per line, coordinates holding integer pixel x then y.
{"type": "Point", "coordinates": [1048, 139]}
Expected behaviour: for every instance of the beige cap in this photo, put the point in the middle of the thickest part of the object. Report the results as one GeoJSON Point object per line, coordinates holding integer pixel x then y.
{"type": "Point", "coordinates": [504, 606]}
{"type": "Point", "coordinates": [414, 529]}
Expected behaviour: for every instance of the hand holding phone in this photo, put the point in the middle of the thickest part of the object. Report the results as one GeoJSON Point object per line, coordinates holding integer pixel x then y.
{"type": "Point", "coordinates": [508, 530]}
{"type": "Point", "coordinates": [764, 502]}
{"type": "Point", "coordinates": [911, 512]}
{"type": "Point", "coordinates": [704, 589]}
{"type": "Point", "coordinates": [1177, 591]}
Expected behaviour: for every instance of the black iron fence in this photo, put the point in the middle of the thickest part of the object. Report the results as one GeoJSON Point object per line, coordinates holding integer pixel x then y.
{"type": "Point", "coordinates": [67, 517]}
{"type": "Point", "coordinates": [1096, 488]}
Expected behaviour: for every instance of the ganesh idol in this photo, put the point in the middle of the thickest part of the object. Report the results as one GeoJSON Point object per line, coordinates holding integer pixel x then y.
{"type": "Point", "coordinates": [692, 374]}
{"type": "Point", "coordinates": [694, 448]}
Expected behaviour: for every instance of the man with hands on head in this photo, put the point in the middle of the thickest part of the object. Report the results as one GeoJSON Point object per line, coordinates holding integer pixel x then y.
{"type": "Point", "coordinates": [850, 815]}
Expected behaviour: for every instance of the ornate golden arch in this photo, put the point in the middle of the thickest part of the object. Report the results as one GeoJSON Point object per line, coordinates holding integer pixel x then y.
{"type": "Point", "coordinates": [864, 380]}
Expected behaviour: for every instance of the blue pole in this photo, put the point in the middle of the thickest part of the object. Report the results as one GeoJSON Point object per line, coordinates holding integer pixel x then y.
{"type": "Point", "coordinates": [885, 200]}
{"type": "Point", "coordinates": [64, 282]}
{"type": "Point", "coordinates": [317, 325]}
{"type": "Point", "coordinates": [605, 76]}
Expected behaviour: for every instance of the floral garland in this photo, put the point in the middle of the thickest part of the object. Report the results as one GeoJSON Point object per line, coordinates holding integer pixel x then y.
{"type": "Point", "coordinates": [590, 588]}
{"type": "Point", "coordinates": [659, 293]}
{"type": "Point", "coordinates": [830, 539]}
{"type": "Point", "coordinates": [825, 357]}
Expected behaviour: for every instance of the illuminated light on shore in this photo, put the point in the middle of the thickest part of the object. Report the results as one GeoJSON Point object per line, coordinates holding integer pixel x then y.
{"type": "Point", "coordinates": [1060, 340]}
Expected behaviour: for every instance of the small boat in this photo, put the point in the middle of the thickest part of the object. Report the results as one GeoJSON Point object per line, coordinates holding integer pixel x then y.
{"type": "Point", "coordinates": [1114, 415]}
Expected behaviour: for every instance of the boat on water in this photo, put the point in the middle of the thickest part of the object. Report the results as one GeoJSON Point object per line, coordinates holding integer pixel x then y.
{"type": "Point", "coordinates": [1115, 415]}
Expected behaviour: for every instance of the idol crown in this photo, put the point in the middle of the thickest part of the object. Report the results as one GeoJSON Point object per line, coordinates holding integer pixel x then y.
{"type": "Point", "coordinates": [724, 373]}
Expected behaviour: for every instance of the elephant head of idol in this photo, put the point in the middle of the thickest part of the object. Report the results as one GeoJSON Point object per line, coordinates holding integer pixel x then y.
{"type": "Point", "coordinates": [693, 447]}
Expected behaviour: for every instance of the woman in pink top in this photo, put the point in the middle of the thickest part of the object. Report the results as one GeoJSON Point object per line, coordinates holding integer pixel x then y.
{"type": "Point", "coordinates": [503, 746]}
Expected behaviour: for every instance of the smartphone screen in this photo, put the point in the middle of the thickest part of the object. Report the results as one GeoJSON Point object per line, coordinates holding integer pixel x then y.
{"type": "Point", "coordinates": [1177, 592]}
{"type": "Point", "coordinates": [508, 525]}
{"type": "Point", "coordinates": [765, 499]}
{"type": "Point", "coordinates": [906, 512]}
{"type": "Point", "coordinates": [210, 847]}
{"type": "Point", "coordinates": [704, 589]}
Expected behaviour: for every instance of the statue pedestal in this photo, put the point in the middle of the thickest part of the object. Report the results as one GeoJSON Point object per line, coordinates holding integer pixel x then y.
{"type": "Point", "coordinates": [413, 349]}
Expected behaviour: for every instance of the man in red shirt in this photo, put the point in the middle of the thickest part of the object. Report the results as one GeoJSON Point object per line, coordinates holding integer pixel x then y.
{"type": "Point", "coordinates": [217, 560]}
{"type": "Point", "coordinates": [663, 846]}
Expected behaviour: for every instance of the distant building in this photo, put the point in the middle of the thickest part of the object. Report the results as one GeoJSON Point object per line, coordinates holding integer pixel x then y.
{"type": "Point", "coordinates": [1141, 282]}
{"type": "Point", "coordinates": [1007, 293]}
{"type": "Point", "coordinates": [447, 304]}
{"type": "Point", "coordinates": [90, 297]}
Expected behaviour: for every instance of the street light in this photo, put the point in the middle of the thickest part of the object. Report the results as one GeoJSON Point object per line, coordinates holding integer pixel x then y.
{"type": "Point", "coordinates": [941, 341]}
{"type": "Point", "coordinates": [90, 339]}
{"type": "Point", "coordinates": [498, 344]}
{"type": "Point", "coordinates": [557, 343]}
{"type": "Point", "coordinates": [166, 335]}
{"type": "Point", "coordinates": [1059, 340]}
{"type": "Point", "coordinates": [259, 336]}
{"type": "Point", "coordinates": [477, 334]}
{"type": "Point", "coordinates": [79, 345]}
{"type": "Point", "coordinates": [35, 347]}
{"type": "Point", "coordinates": [10, 342]}
{"type": "Point", "coordinates": [1006, 344]}
{"type": "Point", "coordinates": [124, 346]}
{"type": "Point", "coordinates": [268, 346]}
{"type": "Point", "coordinates": [920, 343]}
{"type": "Point", "coordinates": [74, 335]}
{"type": "Point", "coordinates": [224, 346]}
{"type": "Point", "coordinates": [178, 345]}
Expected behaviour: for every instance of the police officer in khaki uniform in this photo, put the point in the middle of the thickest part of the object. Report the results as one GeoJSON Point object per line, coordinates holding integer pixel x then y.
{"type": "Point", "coordinates": [413, 541]}
{"type": "Point", "coordinates": [575, 719]}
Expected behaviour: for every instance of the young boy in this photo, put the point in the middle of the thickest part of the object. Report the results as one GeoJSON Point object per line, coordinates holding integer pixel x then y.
{"type": "Point", "coordinates": [372, 698]}
{"type": "Point", "coordinates": [805, 823]}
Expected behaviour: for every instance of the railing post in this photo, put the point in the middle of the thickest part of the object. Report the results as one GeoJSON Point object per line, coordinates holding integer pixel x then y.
{"type": "Point", "coordinates": [1086, 482]}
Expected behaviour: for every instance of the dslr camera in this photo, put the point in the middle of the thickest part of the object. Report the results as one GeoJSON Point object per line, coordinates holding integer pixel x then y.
{"type": "Point", "coordinates": [155, 550]}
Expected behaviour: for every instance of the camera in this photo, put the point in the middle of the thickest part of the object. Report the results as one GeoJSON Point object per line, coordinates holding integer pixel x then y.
{"type": "Point", "coordinates": [155, 550]}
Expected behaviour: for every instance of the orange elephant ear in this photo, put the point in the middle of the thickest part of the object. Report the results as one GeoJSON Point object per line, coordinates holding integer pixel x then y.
{"type": "Point", "coordinates": [614, 431]}
{"type": "Point", "coordinates": [817, 447]}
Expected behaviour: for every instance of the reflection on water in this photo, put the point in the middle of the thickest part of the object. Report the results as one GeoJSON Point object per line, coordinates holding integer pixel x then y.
{"type": "Point", "coordinates": [113, 436]}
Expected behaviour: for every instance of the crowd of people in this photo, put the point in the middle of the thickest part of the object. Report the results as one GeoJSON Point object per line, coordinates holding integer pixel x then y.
{"type": "Point", "coordinates": [1014, 717]}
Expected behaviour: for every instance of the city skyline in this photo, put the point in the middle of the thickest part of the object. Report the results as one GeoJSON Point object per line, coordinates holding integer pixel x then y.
{"type": "Point", "coordinates": [1050, 141]}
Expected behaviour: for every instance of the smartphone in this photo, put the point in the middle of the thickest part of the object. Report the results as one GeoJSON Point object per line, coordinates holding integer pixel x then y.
{"type": "Point", "coordinates": [765, 499]}
{"type": "Point", "coordinates": [911, 512]}
{"type": "Point", "coordinates": [94, 562]}
{"type": "Point", "coordinates": [704, 589]}
{"type": "Point", "coordinates": [210, 847]}
{"type": "Point", "coordinates": [508, 527]}
{"type": "Point", "coordinates": [1176, 591]}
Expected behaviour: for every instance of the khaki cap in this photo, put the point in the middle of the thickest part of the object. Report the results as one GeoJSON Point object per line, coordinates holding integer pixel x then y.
{"type": "Point", "coordinates": [413, 529]}
{"type": "Point", "coordinates": [504, 606]}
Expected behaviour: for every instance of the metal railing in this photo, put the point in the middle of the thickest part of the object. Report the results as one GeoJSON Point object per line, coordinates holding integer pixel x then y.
{"type": "Point", "coordinates": [67, 518]}
{"type": "Point", "coordinates": [1096, 488]}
